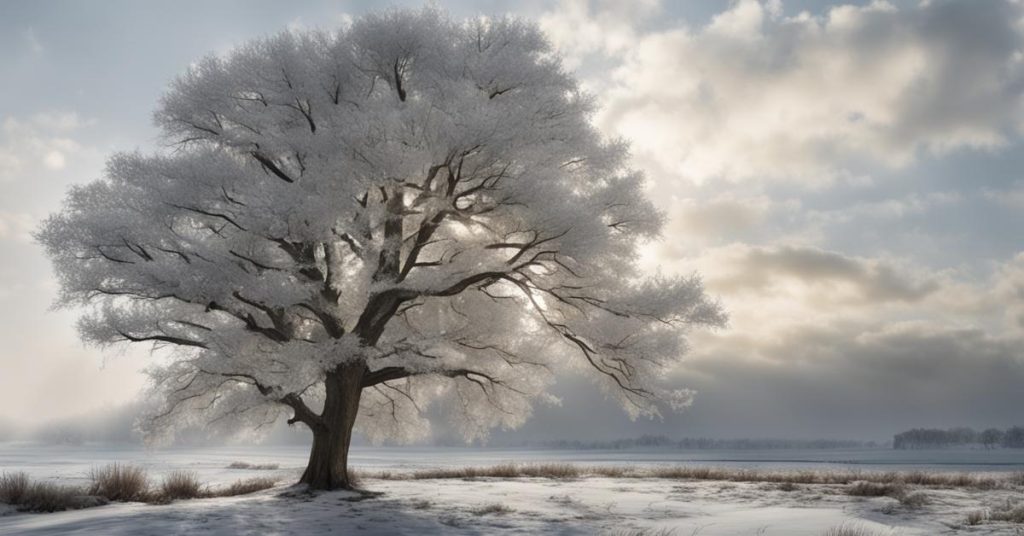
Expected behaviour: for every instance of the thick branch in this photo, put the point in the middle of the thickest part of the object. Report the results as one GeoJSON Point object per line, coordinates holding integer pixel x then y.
{"type": "Point", "coordinates": [269, 165]}
{"type": "Point", "coordinates": [384, 375]}
{"type": "Point", "coordinates": [162, 338]}
{"type": "Point", "coordinates": [302, 412]}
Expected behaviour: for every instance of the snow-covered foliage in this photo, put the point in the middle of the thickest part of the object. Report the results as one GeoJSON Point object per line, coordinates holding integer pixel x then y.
{"type": "Point", "coordinates": [418, 199]}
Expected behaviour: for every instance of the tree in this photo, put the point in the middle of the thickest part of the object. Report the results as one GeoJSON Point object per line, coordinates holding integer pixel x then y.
{"type": "Point", "coordinates": [1013, 437]}
{"type": "Point", "coordinates": [354, 224]}
{"type": "Point", "coordinates": [992, 437]}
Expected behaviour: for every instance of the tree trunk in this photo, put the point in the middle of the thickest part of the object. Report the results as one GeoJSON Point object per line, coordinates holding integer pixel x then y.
{"type": "Point", "coordinates": [328, 458]}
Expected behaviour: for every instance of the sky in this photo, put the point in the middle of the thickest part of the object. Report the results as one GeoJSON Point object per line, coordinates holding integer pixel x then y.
{"type": "Point", "coordinates": [844, 176]}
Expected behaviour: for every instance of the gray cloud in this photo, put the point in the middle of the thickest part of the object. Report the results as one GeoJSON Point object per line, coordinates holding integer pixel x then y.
{"type": "Point", "coordinates": [757, 269]}
{"type": "Point", "coordinates": [853, 381]}
{"type": "Point", "coordinates": [722, 216]}
{"type": "Point", "coordinates": [859, 378]}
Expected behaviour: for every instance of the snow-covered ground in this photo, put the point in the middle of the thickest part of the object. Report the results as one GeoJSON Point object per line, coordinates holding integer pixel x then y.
{"type": "Point", "coordinates": [589, 505]}
{"type": "Point", "coordinates": [530, 506]}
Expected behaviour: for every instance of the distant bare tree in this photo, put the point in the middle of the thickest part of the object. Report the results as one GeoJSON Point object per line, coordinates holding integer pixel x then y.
{"type": "Point", "coordinates": [992, 437]}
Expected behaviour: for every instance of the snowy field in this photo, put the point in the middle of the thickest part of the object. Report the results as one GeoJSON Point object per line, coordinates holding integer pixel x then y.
{"type": "Point", "coordinates": [588, 505]}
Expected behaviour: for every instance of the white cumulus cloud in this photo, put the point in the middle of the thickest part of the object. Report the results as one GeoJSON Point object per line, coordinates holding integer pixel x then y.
{"type": "Point", "coordinates": [41, 142]}
{"type": "Point", "coordinates": [759, 93]}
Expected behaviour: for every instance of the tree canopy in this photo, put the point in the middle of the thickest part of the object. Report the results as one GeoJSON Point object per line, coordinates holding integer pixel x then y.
{"type": "Point", "coordinates": [422, 200]}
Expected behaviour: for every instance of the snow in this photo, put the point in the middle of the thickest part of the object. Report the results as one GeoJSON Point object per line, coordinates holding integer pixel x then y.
{"type": "Point", "coordinates": [537, 506]}
{"type": "Point", "coordinates": [447, 506]}
{"type": "Point", "coordinates": [589, 505]}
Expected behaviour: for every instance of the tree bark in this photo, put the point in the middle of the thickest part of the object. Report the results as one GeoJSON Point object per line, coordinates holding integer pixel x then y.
{"type": "Point", "coordinates": [328, 457]}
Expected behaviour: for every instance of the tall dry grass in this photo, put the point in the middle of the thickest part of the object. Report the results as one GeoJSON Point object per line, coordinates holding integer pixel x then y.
{"type": "Point", "coordinates": [863, 488]}
{"type": "Point", "coordinates": [507, 470]}
{"type": "Point", "coordinates": [13, 487]}
{"type": "Point", "coordinates": [491, 509]}
{"type": "Point", "coordinates": [847, 529]}
{"type": "Point", "coordinates": [656, 531]}
{"type": "Point", "coordinates": [976, 517]}
{"type": "Point", "coordinates": [245, 487]}
{"type": "Point", "coordinates": [253, 466]}
{"type": "Point", "coordinates": [1010, 513]}
{"type": "Point", "coordinates": [116, 482]}
{"type": "Point", "coordinates": [120, 482]}
{"type": "Point", "coordinates": [18, 490]}
{"type": "Point", "coordinates": [181, 485]}
{"type": "Point", "coordinates": [866, 482]}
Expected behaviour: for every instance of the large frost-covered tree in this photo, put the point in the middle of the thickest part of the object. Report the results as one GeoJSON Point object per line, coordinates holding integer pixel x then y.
{"type": "Point", "coordinates": [352, 224]}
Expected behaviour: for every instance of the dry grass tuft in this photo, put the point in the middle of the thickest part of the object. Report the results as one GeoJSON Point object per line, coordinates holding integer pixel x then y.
{"type": "Point", "coordinates": [647, 532]}
{"type": "Point", "coordinates": [550, 470]}
{"type": "Point", "coordinates": [120, 482]}
{"type": "Point", "coordinates": [853, 530]}
{"type": "Point", "coordinates": [355, 479]}
{"type": "Point", "coordinates": [508, 470]}
{"type": "Point", "coordinates": [611, 471]}
{"type": "Point", "coordinates": [247, 486]}
{"type": "Point", "coordinates": [889, 481]}
{"type": "Point", "coordinates": [921, 478]}
{"type": "Point", "coordinates": [13, 487]}
{"type": "Point", "coordinates": [17, 490]}
{"type": "Point", "coordinates": [1010, 514]}
{"type": "Point", "coordinates": [254, 466]}
{"type": "Point", "coordinates": [915, 499]}
{"type": "Point", "coordinates": [115, 482]}
{"type": "Point", "coordinates": [46, 497]}
{"type": "Point", "coordinates": [788, 486]}
{"type": "Point", "coordinates": [181, 485]}
{"type": "Point", "coordinates": [492, 509]}
{"type": "Point", "coordinates": [421, 504]}
{"type": "Point", "coordinates": [953, 480]}
{"type": "Point", "coordinates": [751, 475]}
{"type": "Point", "coordinates": [864, 488]}
{"type": "Point", "coordinates": [976, 517]}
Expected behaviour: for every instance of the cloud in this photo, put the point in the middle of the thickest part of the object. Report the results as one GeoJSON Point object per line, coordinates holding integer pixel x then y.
{"type": "Point", "coordinates": [1006, 293]}
{"type": "Point", "coordinates": [582, 27]}
{"type": "Point", "coordinates": [16, 226]}
{"type": "Point", "coordinates": [856, 380]}
{"type": "Point", "coordinates": [718, 216]}
{"type": "Point", "coordinates": [853, 380]}
{"type": "Point", "coordinates": [825, 343]}
{"type": "Point", "coordinates": [1012, 197]}
{"type": "Point", "coordinates": [794, 271]}
{"type": "Point", "coordinates": [850, 346]}
{"type": "Point", "coordinates": [757, 94]}
{"type": "Point", "coordinates": [723, 215]}
{"type": "Point", "coordinates": [713, 219]}
{"type": "Point", "coordinates": [39, 143]}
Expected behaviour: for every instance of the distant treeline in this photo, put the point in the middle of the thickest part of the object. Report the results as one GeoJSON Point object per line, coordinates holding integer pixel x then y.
{"type": "Point", "coordinates": [649, 441]}
{"type": "Point", "coordinates": [926, 438]}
